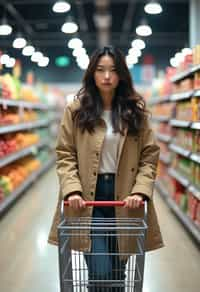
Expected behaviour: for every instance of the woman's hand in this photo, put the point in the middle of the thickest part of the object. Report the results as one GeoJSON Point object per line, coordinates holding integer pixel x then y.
{"type": "Point", "coordinates": [133, 201]}
{"type": "Point", "coordinates": [76, 202]}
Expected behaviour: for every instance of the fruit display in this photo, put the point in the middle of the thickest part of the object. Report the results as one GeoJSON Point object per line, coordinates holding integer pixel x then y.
{"type": "Point", "coordinates": [11, 143]}
{"type": "Point", "coordinates": [14, 174]}
{"type": "Point", "coordinates": [27, 93]}
{"type": "Point", "coordinates": [10, 87]}
{"type": "Point", "coordinates": [12, 117]}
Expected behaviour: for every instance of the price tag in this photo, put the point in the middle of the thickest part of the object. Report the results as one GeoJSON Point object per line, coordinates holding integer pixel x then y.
{"type": "Point", "coordinates": [34, 150]}
{"type": "Point", "coordinates": [5, 106]}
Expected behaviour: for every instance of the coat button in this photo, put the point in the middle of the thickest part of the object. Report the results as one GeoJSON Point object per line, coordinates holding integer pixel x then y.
{"type": "Point", "coordinates": [92, 193]}
{"type": "Point", "coordinates": [94, 173]}
{"type": "Point", "coordinates": [132, 169]}
{"type": "Point", "coordinates": [97, 154]}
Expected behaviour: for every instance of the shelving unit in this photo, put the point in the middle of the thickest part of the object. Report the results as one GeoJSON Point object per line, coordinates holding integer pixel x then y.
{"type": "Point", "coordinates": [24, 104]}
{"type": "Point", "coordinates": [185, 220]}
{"type": "Point", "coordinates": [22, 153]}
{"type": "Point", "coordinates": [185, 74]}
{"type": "Point", "coordinates": [45, 122]}
{"type": "Point", "coordinates": [169, 144]}
{"type": "Point", "coordinates": [19, 191]}
{"type": "Point", "coordinates": [24, 126]}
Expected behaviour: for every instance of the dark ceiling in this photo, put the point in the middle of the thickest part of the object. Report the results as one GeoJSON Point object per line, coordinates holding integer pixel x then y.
{"type": "Point", "coordinates": [36, 20]}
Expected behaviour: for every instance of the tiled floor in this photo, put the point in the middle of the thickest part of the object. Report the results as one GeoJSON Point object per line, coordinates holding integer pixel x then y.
{"type": "Point", "coordinates": [29, 264]}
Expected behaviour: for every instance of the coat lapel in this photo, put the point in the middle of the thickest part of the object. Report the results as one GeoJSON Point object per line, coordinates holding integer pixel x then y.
{"type": "Point", "coordinates": [121, 144]}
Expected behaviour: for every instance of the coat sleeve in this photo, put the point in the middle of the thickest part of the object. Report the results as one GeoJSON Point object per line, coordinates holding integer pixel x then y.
{"type": "Point", "coordinates": [66, 163]}
{"type": "Point", "coordinates": [148, 161]}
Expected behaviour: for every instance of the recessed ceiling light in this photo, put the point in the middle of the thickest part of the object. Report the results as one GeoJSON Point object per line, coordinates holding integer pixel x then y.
{"type": "Point", "coordinates": [4, 59]}
{"type": "Point", "coordinates": [144, 30]}
{"type": "Point", "coordinates": [153, 7]}
{"type": "Point", "coordinates": [10, 63]}
{"type": "Point", "coordinates": [37, 56]}
{"type": "Point", "coordinates": [69, 27]}
{"type": "Point", "coordinates": [75, 43]}
{"type": "Point", "coordinates": [19, 42]}
{"type": "Point", "coordinates": [138, 43]}
{"type": "Point", "coordinates": [5, 28]}
{"type": "Point", "coordinates": [28, 50]}
{"type": "Point", "coordinates": [61, 6]}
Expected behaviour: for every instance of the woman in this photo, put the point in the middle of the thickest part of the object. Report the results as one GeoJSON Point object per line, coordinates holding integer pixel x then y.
{"type": "Point", "coordinates": [106, 151]}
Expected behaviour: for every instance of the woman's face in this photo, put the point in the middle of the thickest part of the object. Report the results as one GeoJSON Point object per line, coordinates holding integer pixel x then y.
{"type": "Point", "coordinates": [105, 75]}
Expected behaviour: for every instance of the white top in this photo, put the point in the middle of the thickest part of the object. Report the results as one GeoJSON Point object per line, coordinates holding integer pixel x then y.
{"type": "Point", "coordinates": [108, 159]}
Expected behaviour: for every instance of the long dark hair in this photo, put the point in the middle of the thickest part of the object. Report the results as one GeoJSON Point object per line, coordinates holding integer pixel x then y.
{"type": "Point", "coordinates": [128, 107]}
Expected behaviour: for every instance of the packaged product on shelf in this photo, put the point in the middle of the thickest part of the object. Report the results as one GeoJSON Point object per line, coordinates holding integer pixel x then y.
{"type": "Point", "coordinates": [196, 142]}
{"type": "Point", "coordinates": [10, 87]}
{"type": "Point", "coordinates": [197, 220]}
{"type": "Point", "coordinates": [195, 173]}
{"type": "Point", "coordinates": [183, 202]}
{"type": "Point", "coordinates": [192, 206]}
{"type": "Point", "coordinates": [197, 80]}
{"type": "Point", "coordinates": [184, 111]}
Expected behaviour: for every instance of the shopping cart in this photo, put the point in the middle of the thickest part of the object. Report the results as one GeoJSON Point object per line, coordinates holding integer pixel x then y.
{"type": "Point", "coordinates": [97, 269]}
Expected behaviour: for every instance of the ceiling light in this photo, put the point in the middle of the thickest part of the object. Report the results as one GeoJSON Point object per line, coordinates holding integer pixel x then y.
{"type": "Point", "coordinates": [174, 62]}
{"type": "Point", "coordinates": [69, 27]}
{"type": "Point", "coordinates": [153, 7]}
{"type": "Point", "coordinates": [28, 50]}
{"type": "Point", "coordinates": [4, 59]}
{"type": "Point", "coordinates": [75, 43]}
{"type": "Point", "coordinates": [130, 66]}
{"type": "Point", "coordinates": [186, 51]}
{"type": "Point", "coordinates": [10, 63]}
{"type": "Point", "coordinates": [83, 66]}
{"type": "Point", "coordinates": [83, 59]}
{"type": "Point", "coordinates": [61, 6]}
{"type": "Point", "coordinates": [37, 56]}
{"type": "Point", "coordinates": [79, 52]}
{"type": "Point", "coordinates": [5, 28]}
{"type": "Point", "coordinates": [179, 57]}
{"type": "Point", "coordinates": [131, 59]}
{"type": "Point", "coordinates": [43, 62]}
{"type": "Point", "coordinates": [135, 51]}
{"type": "Point", "coordinates": [138, 43]}
{"type": "Point", "coordinates": [19, 42]}
{"type": "Point", "coordinates": [144, 29]}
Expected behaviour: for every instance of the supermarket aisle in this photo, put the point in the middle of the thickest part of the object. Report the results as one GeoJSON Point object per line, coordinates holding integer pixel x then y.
{"type": "Point", "coordinates": [28, 263]}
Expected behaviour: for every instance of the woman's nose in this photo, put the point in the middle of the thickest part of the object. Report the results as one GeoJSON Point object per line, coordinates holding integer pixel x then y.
{"type": "Point", "coordinates": [107, 74]}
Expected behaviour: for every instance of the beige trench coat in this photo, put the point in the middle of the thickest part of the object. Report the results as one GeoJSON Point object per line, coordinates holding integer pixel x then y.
{"type": "Point", "coordinates": [78, 156]}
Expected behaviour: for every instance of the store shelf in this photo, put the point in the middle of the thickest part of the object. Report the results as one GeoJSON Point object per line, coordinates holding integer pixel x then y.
{"type": "Point", "coordinates": [179, 177]}
{"type": "Point", "coordinates": [6, 203]}
{"type": "Point", "coordinates": [23, 104]}
{"type": "Point", "coordinates": [180, 150]}
{"type": "Point", "coordinates": [195, 125]}
{"type": "Point", "coordinates": [163, 137]}
{"type": "Point", "coordinates": [197, 93]}
{"type": "Point", "coordinates": [165, 159]}
{"type": "Point", "coordinates": [185, 74]}
{"type": "Point", "coordinates": [181, 96]}
{"type": "Point", "coordinates": [22, 153]}
{"type": "Point", "coordinates": [158, 100]}
{"type": "Point", "coordinates": [186, 221]}
{"type": "Point", "coordinates": [161, 189]}
{"type": "Point", "coordinates": [160, 119]}
{"type": "Point", "coordinates": [179, 123]}
{"type": "Point", "coordinates": [195, 157]}
{"type": "Point", "coordinates": [23, 126]}
{"type": "Point", "coordinates": [195, 191]}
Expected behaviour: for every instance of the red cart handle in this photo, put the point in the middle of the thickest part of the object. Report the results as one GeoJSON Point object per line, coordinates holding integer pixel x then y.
{"type": "Point", "coordinates": [103, 203]}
